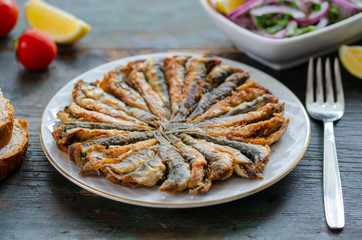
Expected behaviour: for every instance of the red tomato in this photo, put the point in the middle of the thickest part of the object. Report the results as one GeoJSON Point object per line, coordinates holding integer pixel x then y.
{"type": "Point", "coordinates": [35, 49]}
{"type": "Point", "coordinates": [8, 16]}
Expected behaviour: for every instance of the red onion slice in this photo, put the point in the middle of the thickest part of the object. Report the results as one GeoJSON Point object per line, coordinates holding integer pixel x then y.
{"type": "Point", "coordinates": [291, 26]}
{"type": "Point", "coordinates": [316, 1]}
{"type": "Point", "coordinates": [244, 22]}
{"type": "Point", "coordinates": [315, 16]}
{"type": "Point", "coordinates": [347, 4]}
{"type": "Point", "coordinates": [238, 12]}
{"type": "Point", "coordinates": [323, 22]}
{"type": "Point", "coordinates": [268, 9]}
{"type": "Point", "coordinates": [301, 5]}
{"type": "Point", "coordinates": [279, 35]}
{"type": "Point", "coordinates": [270, 36]}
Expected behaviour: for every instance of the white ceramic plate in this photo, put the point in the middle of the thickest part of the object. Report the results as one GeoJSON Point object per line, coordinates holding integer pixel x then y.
{"type": "Point", "coordinates": [286, 153]}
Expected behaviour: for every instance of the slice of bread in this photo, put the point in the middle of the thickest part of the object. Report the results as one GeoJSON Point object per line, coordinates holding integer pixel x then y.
{"type": "Point", "coordinates": [6, 120]}
{"type": "Point", "coordinates": [12, 155]}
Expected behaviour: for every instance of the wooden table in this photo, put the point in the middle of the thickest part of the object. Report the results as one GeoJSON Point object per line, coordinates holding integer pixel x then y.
{"type": "Point", "coordinates": [37, 202]}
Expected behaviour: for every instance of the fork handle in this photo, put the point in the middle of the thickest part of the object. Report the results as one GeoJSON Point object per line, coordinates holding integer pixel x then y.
{"type": "Point", "coordinates": [333, 199]}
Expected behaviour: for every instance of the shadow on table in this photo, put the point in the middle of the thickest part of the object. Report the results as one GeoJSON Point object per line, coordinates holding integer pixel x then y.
{"type": "Point", "coordinates": [6, 42]}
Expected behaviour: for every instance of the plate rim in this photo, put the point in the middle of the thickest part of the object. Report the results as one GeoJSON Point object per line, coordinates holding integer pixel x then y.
{"type": "Point", "coordinates": [173, 205]}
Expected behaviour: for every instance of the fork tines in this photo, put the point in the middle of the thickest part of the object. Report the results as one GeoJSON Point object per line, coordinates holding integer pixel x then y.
{"type": "Point", "coordinates": [319, 94]}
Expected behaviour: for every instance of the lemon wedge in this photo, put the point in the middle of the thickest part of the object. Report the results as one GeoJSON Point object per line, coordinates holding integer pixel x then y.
{"type": "Point", "coordinates": [227, 6]}
{"type": "Point", "coordinates": [61, 26]}
{"type": "Point", "coordinates": [351, 58]}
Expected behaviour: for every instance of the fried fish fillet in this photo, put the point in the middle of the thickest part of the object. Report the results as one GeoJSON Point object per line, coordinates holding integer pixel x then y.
{"type": "Point", "coordinates": [195, 84]}
{"type": "Point", "coordinates": [178, 170]}
{"type": "Point", "coordinates": [114, 83]}
{"type": "Point", "coordinates": [91, 90]}
{"type": "Point", "coordinates": [175, 71]}
{"type": "Point", "coordinates": [156, 78]}
{"type": "Point", "coordinates": [153, 100]}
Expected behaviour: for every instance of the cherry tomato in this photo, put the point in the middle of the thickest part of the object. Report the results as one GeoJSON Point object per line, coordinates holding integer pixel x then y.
{"type": "Point", "coordinates": [35, 49]}
{"type": "Point", "coordinates": [8, 16]}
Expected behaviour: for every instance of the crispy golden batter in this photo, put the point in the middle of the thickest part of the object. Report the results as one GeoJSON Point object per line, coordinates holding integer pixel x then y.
{"type": "Point", "coordinates": [180, 123]}
{"type": "Point", "coordinates": [153, 100]}
{"type": "Point", "coordinates": [114, 83]}
{"type": "Point", "coordinates": [175, 71]}
{"type": "Point", "coordinates": [195, 84]}
{"type": "Point", "coordinates": [227, 104]}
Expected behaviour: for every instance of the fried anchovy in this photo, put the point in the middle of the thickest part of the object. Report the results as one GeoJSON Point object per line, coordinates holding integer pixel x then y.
{"type": "Point", "coordinates": [94, 92]}
{"type": "Point", "coordinates": [65, 137]}
{"type": "Point", "coordinates": [88, 103]}
{"type": "Point", "coordinates": [243, 164]}
{"type": "Point", "coordinates": [258, 154]}
{"type": "Point", "coordinates": [96, 125]}
{"type": "Point", "coordinates": [114, 151]}
{"type": "Point", "coordinates": [199, 183]}
{"type": "Point", "coordinates": [94, 162]}
{"type": "Point", "coordinates": [252, 133]}
{"type": "Point", "coordinates": [78, 151]}
{"type": "Point", "coordinates": [93, 156]}
{"type": "Point", "coordinates": [131, 162]}
{"type": "Point", "coordinates": [94, 116]}
{"type": "Point", "coordinates": [91, 90]}
{"type": "Point", "coordinates": [253, 105]}
{"type": "Point", "coordinates": [114, 83]}
{"type": "Point", "coordinates": [121, 139]}
{"type": "Point", "coordinates": [152, 99]}
{"type": "Point", "coordinates": [246, 170]}
{"type": "Point", "coordinates": [178, 170]}
{"type": "Point", "coordinates": [66, 117]}
{"type": "Point", "coordinates": [97, 155]}
{"type": "Point", "coordinates": [220, 163]}
{"type": "Point", "coordinates": [268, 137]}
{"type": "Point", "coordinates": [155, 76]}
{"type": "Point", "coordinates": [228, 103]}
{"type": "Point", "coordinates": [218, 75]}
{"type": "Point", "coordinates": [174, 68]}
{"type": "Point", "coordinates": [194, 84]}
{"type": "Point", "coordinates": [148, 174]}
{"type": "Point", "coordinates": [219, 93]}
{"type": "Point", "coordinates": [252, 84]}
{"type": "Point", "coordinates": [260, 114]}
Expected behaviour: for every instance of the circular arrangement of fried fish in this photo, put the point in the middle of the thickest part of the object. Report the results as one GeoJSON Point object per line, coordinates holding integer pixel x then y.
{"type": "Point", "coordinates": [179, 122]}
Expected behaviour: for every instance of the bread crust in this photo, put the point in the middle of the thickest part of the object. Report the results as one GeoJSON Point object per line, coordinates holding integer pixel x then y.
{"type": "Point", "coordinates": [11, 163]}
{"type": "Point", "coordinates": [6, 129]}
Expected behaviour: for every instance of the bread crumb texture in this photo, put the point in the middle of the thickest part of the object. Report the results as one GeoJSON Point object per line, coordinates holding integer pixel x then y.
{"type": "Point", "coordinates": [6, 120]}
{"type": "Point", "coordinates": [12, 155]}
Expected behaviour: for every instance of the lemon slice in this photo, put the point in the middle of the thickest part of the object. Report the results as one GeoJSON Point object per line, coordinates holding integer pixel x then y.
{"type": "Point", "coordinates": [227, 6]}
{"type": "Point", "coordinates": [61, 26]}
{"type": "Point", "coordinates": [351, 58]}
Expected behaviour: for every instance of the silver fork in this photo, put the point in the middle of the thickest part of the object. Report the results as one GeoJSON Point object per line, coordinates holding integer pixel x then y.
{"type": "Point", "coordinates": [328, 111]}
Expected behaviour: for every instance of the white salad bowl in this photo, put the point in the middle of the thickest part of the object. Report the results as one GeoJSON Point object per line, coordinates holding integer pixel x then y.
{"type": "Point", "coordinates": [288, 52]}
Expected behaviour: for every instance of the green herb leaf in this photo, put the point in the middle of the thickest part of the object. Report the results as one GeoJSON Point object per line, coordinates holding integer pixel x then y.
{"type": "Point", "coordinates": [299, 31]}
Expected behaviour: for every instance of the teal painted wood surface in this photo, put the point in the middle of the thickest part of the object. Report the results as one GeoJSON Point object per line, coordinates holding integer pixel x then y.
{"type": "Point", "coordinates": [141, 24]}
{"type": "Point", "coordinates": [37, 202]}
